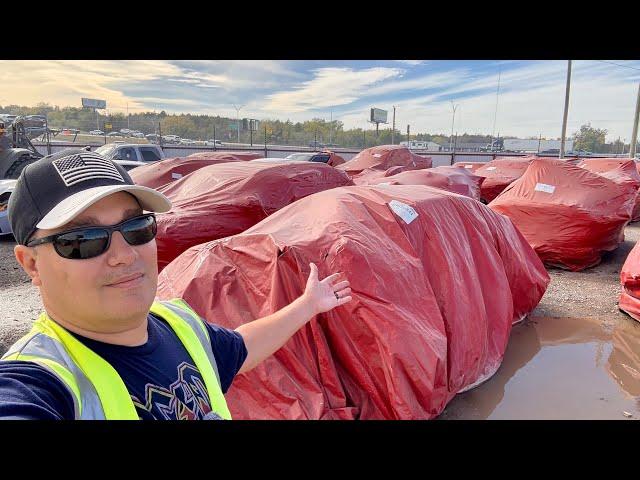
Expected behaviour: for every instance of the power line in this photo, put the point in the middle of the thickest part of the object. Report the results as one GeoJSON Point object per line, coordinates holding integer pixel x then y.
{"type": "Point", "coordinates": [618, 65]}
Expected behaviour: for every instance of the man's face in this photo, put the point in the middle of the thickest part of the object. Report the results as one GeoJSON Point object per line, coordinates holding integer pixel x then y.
{"type": "Point", "coordinates": [105, 293]}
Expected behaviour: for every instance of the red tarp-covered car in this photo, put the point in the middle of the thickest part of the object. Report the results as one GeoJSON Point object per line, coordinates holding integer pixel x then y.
{"type": "Point", "coordinates": [629, 300]}
{"type": "Point", "coordinates": [451, 179]}
{"type": "Point", "coordinates": [471, 166]}
{"type": "Point", "coordinates": [437, 281]}
{"type": "Point", "coordinates": [227, 198]}
{"type": "Point", "coordinates": [160, 173]}
{"type": "Point", "coordinates": [382, 161]}
{"type": "Point", "coordinates": [621, 170]}
{"type": "Point", "coordinates": [569, 215]}
{"type": "Point", "coordinates": [500, 173]}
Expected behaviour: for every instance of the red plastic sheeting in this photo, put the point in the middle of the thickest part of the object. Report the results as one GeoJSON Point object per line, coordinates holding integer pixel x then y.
{"type": "Point", "coordinates": [383, 158]}
{"type": "Point", "coordinates": [433, 301]}
{"type": "Point", "coordinates": [451, 179]}
{"type": "Point", "coordinates": [471, 166]}
{"type": "Point", "coordinates": [227, 198]}
{"type": "Point", "coordinates": [629, 300]}
{"type": "Point", "coordinates": [621, 170]}
{"type": "Point", "coordinates": [500, 173]}
{"type": "Point", "coordinates": [334, 158]}
{"type": "Point", "coordinates": [160, 173]}
{"type": "Point", "coordinates": [370, 175]}
{"type": "Point", "coordinates": [569, 215]}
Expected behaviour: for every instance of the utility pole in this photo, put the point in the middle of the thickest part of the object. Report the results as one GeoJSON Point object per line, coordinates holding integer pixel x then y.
{"type": "Point", "coordinates": [331, 126]}
{"type": "Point", "coordinates": [634, 134]}
{"type": "Point", "coordinates": [408, 136]}
{"type": "Point", "coordinates": [238, 119]}
{"type": "Point", "coordinates": [539, 142]}
{"type": "Point", "coordinates": [495, 113]}
{"type": "Point", "coordinates": [454, 107]}
{"type": "Point", "coordinates": [566, 111]}
{"type": "Point", "coordinates": [393, 132]}
{"type": "Point", "coordinates": [128, 118]}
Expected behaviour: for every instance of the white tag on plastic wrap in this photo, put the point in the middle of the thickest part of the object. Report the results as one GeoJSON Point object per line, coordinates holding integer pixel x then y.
{"type": "Point", "coordinates": [543, 187]}
{"type": "Point", "coordinates": [468, 166]}
{"type": "Point", "coordinates": [176, 176]}
{"type": "Point", "coordinates": [404, 211]}
{"type": "Point", "coordinates": [491, 168]}
{"type": "Point", "coordinates": [377, 154]}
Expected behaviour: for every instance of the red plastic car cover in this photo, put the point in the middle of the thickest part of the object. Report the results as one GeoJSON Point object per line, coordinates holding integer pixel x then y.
{"type": "Point", "coordinates": [334, 158]}
{"type": "Point", "coordinates": [160, 173]}
{"type": "Point", "coordinates": [227, 198]}
{"type": "Point", "coordinates": [569, 215]}
{"type": "Point", "coordinates": [451, 179]}
{"type": "Point", "coordinates": [370, 175]}
{"type": "Point", "coordinates": [629, 300]}
{"type": "Point", "coordinates": [434, 298]}
{"type": "Point", "coordinates": [621, 170]}
{"type": "Point", "coordinates": [383, 158]}
{"type": "Point", "coordinates": [500, 173]}
{"type": "Point", "coordinates": [471, 166]}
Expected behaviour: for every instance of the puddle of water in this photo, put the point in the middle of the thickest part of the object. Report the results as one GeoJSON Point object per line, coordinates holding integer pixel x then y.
{"type": "Point", "coordinates": [560, 368]}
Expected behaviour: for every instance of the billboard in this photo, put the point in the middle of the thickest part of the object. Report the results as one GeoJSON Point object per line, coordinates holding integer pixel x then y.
{"type": "Point", "coordinates": [93, 103]}
{"type": "Point", "coordinates": [378, 115]}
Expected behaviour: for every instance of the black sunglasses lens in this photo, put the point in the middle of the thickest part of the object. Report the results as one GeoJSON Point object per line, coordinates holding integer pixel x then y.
{"type": "Point", "coordinates": [82, 244]}
{"type": "Point", "coordinates": [139, 231]}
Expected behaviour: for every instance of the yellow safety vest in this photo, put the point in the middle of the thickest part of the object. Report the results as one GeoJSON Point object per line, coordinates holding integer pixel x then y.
{"type": "Point", "coordinates": [97, 390]}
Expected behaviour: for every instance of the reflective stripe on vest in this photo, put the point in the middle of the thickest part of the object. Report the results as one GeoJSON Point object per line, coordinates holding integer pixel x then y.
{"type": "Point", "coordinates": [96, 388]}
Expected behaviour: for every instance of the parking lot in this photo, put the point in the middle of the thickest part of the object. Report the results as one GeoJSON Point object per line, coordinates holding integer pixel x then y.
{"type": "Point", "coordinates": [576, 356]}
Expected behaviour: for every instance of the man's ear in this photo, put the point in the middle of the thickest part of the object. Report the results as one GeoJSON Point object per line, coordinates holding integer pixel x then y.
{"type": "Point", "coordinates": [26, 257]}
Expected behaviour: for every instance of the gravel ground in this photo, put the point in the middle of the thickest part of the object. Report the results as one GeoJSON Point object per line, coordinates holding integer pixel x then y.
{"type": "Point", "coordinates": [590, 293]}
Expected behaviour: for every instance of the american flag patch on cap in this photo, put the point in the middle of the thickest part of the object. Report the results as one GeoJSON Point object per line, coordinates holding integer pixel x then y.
{"type": "Point", "coordinates": [86, 166]}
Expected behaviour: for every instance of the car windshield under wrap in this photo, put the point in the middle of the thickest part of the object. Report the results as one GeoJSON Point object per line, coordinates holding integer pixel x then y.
{"type": "Point", "coordinates": [300, 157]}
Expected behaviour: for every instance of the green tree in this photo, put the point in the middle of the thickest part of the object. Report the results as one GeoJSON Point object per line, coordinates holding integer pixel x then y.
{"type": "Point", "coordinates": [589, 138]}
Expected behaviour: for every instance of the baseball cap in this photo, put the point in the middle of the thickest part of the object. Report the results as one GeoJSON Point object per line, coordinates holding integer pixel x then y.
{"type": "Point", "coordinates": [55, 189]}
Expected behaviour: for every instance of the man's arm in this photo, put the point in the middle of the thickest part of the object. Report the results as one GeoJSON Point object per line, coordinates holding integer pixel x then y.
{"type": "Point", "coordinates": [265, 336]}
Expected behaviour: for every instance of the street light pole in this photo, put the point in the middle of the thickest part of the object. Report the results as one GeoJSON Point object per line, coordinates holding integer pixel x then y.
{"type": "Point", "coordinates": [331, 126]}
{"type": "Point", "coordinates": [454, 107]}
{"type": "Point", "coordinates": [634, 134]}
{"type": "Point", "coordinates": [393, 132]}
{"type": "Point", "coordinates": [566, 110]}
{"type": "Point", "coordinates": [238, 119]}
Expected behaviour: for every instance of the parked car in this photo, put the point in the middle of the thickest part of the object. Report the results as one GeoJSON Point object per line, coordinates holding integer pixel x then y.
{"type": "Point", "coordinates": [137, 134]}
{"type": "Point", "coordinates": [96, 132]}
{"type": "Point", "coordinates": [186, 141]}
{"type": "Point", "coordinates": [327, 157]}
{"type": "Point", "coordinates": [130, 164]}
{"type": "Point", "coordinates": [213, 143]}
{"type": "Point", "coordinates": [131, 151]}
{"type": "Point", "coordinates": [114, 134]}
{"type": "Point", "coordinates": [6, 188]}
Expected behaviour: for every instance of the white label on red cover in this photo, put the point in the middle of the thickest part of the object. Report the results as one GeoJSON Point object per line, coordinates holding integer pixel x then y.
{"type": "Point", "coordinates": [176, 176]}
{"type": "Point", "coordinates": [404, 211]}
{"type": "Point", "coordinates": [543, 187]}
{"type": "Point", "coordinates": [491, 168]}
{"type": "Point", "coordinates": [377, 154]}
{"type": "Point", "coordinates": [470, 166]}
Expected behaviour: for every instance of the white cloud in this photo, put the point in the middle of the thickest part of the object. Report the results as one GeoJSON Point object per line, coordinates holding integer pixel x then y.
{"type": "Point", "coordinates": [329, 87]}
{"type": "Point", "coordinates": [412, 62]}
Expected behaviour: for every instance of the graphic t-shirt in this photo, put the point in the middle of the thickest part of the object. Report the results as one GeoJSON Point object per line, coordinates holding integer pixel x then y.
{"type": "Point", "coordinates": [160, 375]}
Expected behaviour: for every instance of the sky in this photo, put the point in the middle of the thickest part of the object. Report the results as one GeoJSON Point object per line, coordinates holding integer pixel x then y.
{"type": "Point", "coordinates": [530, 100]}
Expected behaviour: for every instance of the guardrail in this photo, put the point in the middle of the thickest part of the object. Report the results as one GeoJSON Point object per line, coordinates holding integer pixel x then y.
{"type": "Point", "coordinates": [279, 151]}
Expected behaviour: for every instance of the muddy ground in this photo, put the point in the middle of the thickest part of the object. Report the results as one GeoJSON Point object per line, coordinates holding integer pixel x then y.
{"type": "Point", "coordinates": [577, 356]}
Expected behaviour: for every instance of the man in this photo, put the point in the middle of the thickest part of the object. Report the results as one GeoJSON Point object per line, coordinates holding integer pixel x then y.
{"type": "Point", "coordinates": [103, 348]}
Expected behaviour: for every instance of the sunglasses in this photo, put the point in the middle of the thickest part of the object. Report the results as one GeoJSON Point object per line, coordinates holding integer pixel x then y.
{"type": "Point", "coordinates": [89, 242]}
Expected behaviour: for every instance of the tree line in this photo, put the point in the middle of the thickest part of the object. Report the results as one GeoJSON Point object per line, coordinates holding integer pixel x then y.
{"type": "Point", "coordinates": [317, 130]}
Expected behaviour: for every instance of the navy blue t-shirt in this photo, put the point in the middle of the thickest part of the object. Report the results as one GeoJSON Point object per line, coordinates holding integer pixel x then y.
{"type": "Point", "coordinates": [160, 376]}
